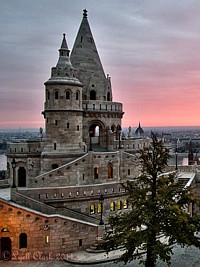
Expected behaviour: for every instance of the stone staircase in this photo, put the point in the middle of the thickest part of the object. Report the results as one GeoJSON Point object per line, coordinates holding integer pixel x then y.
{"type": "Point", "coordinates": [95, 249]}
{"type": "Point", "coordinates": [4, 183]}
{"type": "Point", "coordinates": [182, 182]}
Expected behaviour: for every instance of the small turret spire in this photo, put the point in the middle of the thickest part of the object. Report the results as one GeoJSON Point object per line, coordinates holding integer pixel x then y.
{"type": "Point", "coordinates": [85, 13]}
{"type": "Point", "coordinates": [64, 51]}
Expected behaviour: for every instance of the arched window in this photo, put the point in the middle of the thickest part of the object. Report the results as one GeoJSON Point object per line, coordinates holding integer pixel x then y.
{"type": "Point", "coordinates": [110, 170]}
{"type": "Point", "coordinates": [96, 173]}
{"type": "Point", "coordinates": [3, 230]}
{"type": "Point", "coordinates": [92, 209]}
{"type": "Point", "coordinates": [112, 206]}
{"type": "Point", "coordinates": [92, 95]}
{"type": "Point", "coordinates": [46, 239]}
{"type": "Point", "coordinates": [23, 240]}
{"type": "Point", "coordinates": [113, 128]}
{"type": "Point", "coordinates": [99, 208]}
{"type": "Point", "coordinates": [68, 95]}
{"type": "Point", "coordinates": [108, 96]}
{"type": "Point", "coordinates": [129, 172]}
{"type": "Point", "coordinates": [48, 95]}
{"type": "Point", "coordinates": [56, 94]}
{"type": "Point", "coordinates": [119, 205]}
{"type": "Point", "coordinates": [77, 95]}
{"type": "Point", "coordinates": [125, 204]}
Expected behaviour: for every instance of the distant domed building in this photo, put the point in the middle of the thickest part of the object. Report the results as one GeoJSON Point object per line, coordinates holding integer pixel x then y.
{"type": "Point", "coordinates": [139, 132]}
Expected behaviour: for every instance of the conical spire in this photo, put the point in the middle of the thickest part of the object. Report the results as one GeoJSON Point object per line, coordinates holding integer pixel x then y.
{"type": "Point", "coordinates": [64, 53]}
{"type": "Point", "coordinates": [85, 59]}
{"type": "Point", "coordinates": [64, 46]}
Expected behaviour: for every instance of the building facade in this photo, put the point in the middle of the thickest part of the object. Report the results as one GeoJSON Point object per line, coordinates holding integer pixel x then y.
{"type": "Point", "coordinates": [71, 180]}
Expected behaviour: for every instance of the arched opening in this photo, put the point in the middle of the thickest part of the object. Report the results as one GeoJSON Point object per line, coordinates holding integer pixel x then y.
{"type": "Point", "coordinates": [92, 95]}
{"type": "Point", "coordinates": [96, 173]}
{"type": "Point", "coordinates": [99, 208]}
{"type": "Point", "coordinates": [119, 204]}
{"type": "Point", "coordinates": [97, 136]}
{"type": "Point", "coordinates": [110, 170]}
{"type": "Point", "coordinates": [125, 204]}
{"type": "Point", "coordinates": [112, 206]}
{"type": "Point", "coordinates": [23, 240]}
{"type": "Point", "coordinates": [92, 209]}
{"type": "Point", "coordinates": [77, 95]}
{"type": "Point", "coordinates": [5, 245]}
{"type": "Point", "coordinates": [4, 230]}
{"type": "Point", "coordinates": [56, 94]}
{"type": "Point", "coordinates": [94, 132]}
{"type": "Point", "coordinates": [67, 95]}
{"type": "Point", "coordinates": [113, 128]}
{"type": "Point", "coordinates": [22, 177]}
{"type": "Point", "coordinates": [108, 96]}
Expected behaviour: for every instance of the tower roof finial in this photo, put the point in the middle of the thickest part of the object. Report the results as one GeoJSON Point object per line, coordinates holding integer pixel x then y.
{"type": "Point", "coordinates": [64, 42]}
{"type": "Point", "coordinates": [85, 13]}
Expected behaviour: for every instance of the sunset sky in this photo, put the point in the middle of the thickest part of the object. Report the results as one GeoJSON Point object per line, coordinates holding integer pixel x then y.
{"type": "Point", "coordinates": [150, 48]}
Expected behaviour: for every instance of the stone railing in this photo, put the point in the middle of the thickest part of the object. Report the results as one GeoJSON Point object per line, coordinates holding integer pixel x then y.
{"type": "Point", "coordinates": [94, 105]}
{"type": "Point", "coordinates": [46, 209]}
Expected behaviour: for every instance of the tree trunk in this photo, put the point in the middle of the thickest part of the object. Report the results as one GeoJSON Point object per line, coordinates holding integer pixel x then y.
{"type": "Point", "coordinates": [149, 259]}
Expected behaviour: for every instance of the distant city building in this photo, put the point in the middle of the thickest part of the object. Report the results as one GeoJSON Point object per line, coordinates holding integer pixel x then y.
{"type": "Point", "coordinates": [139, 132]}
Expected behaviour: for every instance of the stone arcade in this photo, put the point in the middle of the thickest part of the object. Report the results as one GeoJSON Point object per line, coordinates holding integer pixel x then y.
{"type": "Point", "coordinates": [61, 187]}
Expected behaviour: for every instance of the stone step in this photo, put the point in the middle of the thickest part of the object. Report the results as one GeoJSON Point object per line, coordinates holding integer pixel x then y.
{"type": "Point", "coordinates": [4, 183]}
{"type": "Point", "coordinates": [89, 250]}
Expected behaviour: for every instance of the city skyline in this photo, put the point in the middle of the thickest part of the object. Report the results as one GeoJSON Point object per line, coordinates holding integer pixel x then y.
{"type": "Point", "coordinates": [150, 50]}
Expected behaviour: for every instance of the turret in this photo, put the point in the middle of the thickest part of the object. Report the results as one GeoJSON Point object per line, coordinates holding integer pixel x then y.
{"type": "Point", "coordinates": [63, 109]}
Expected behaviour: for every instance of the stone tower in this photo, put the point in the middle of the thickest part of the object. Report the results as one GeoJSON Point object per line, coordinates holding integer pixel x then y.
{"type": "Point", "coordinates": [63, 113]}
{"type": "Point", "coordinates": [101, 116]}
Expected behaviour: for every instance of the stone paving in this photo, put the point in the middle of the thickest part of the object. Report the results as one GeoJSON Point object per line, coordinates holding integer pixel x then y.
{"type": "Point", "coordinates": [5, 193]}
{"type": "Point", "coordinates": [183, 257]}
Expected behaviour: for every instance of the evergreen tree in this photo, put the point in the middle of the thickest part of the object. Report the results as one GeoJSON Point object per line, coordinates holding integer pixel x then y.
{"type": "Point", "coordinates": [158, 215]}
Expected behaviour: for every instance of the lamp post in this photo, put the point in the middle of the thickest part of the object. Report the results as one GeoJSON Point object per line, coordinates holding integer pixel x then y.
{"type": "Point", "coordinates": [90, 133]}
{"type": "Point", "coordinates": [176, 154]}
{"type": "Point", "coordinates": [119, 129]}
{"type": "Point", "coordinates": [101, 199]}
{"type": "Point", "coordinates": [13, 162]}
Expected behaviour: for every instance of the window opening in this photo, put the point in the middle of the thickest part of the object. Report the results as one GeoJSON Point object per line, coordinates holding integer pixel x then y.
{"type": "Point", "coordinates": [119, 205]}
{"type": "Point", "coordinates": [77, 95]}
{"type": "Point", "coordinates": [67, 95]}
{"type": "Point", "coordinates": [56, 94]}
{"type": "Point", "coordinates": [92, 95]}
{"type": "Point", "coordinates": [112, 206]}
{"type": "Point", "coordinates": [96, 173]}
{"type": "Point", "coordinates": [23, 240]}
{"type": "Point", "coordinates": [92, 209]}
{"type": "Point", "coordinates": [99, 208]}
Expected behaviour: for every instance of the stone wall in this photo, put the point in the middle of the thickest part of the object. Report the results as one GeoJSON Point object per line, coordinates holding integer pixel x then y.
{"type": "Point", "coordinates": [46, 234]}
